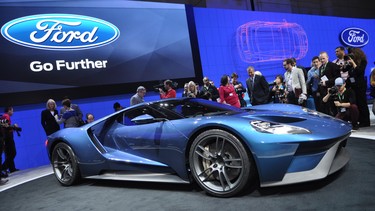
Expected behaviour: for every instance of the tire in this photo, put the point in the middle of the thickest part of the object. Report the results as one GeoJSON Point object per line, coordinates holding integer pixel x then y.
{"type": "Point", "coordinates": [65, 165]}
{"type": "Point", "coordinates": [219, 163]}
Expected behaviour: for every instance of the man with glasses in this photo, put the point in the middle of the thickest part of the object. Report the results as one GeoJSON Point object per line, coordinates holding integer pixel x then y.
{"type": "Point", "coordinates": [139, 96]}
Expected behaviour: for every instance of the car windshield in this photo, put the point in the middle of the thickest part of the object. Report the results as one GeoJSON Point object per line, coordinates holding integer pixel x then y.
{"type": "Point", "coordinates": [190, 107]}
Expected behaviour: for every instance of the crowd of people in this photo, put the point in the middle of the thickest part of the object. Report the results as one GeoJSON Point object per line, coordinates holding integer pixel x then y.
{"type": "Point", "coordinates": [338, 88]}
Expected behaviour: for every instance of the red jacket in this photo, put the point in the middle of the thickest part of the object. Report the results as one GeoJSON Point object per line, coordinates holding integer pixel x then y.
{"type": "Point", "coordinates": [169, 94]}
{"type": "Point", "coordinates": [228, 95]}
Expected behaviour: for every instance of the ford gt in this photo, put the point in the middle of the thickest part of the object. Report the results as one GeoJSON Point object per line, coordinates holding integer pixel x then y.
{"type": "Point", "coordinates": [221, 148]}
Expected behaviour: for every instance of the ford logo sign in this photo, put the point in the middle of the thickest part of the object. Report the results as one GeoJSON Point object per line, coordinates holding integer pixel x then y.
{"type": "Point", "coordinates": [60, 32]}
{"type": "Point", "coordinates": [354, 37]}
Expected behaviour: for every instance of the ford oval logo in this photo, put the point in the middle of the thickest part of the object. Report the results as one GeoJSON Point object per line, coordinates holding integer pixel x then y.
{"type": "Point", "coordinates": [60, 32]}
{"type": "Point", "coordinates": [354, 37]}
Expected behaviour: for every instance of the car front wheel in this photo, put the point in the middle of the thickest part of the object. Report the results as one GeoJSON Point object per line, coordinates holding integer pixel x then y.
{"type": "Point", "coordinates": [220, 164]}
{"type": "Point", "coordinates": [65, 164]}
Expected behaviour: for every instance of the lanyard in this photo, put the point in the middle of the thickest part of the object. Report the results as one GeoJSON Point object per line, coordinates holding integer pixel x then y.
{"type": "Point", "coordinates": [341, 96]}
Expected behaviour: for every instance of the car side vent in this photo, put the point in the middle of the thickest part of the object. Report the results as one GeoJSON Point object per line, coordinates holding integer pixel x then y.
{"type": "Point", "coordinates": [95, 141]}
{"type": "Point", "coordinates": [282, 119]}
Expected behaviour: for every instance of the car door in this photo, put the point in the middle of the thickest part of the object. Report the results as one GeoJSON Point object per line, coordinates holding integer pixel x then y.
{"type": "Point", "coordinates": [148, 134]}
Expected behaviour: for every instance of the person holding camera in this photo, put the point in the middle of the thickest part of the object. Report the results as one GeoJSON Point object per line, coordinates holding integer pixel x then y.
{"type": "Point", "coordinates": [169, 91]}
{"type": "Point", "coordinates": [277, 93]}
{"type": "Point", "coordinates": [3, 174]}
{"type": "Point", "coordinates": [208, 91]}
{"type": "Point", "coordinates": [192, 91]}
{"type": "Point", "coordinates": [9, 144]}
{"type": "Point", "coordinates": [372, 88]}
{"type": "Point", "coordinates": [345, 102]}
{"type": "Point", "coordinates": [357, 63]}
{"type": "Point", "coordinates": [239, 88]}
{"type": "Point", "coordinates": [341, 61]}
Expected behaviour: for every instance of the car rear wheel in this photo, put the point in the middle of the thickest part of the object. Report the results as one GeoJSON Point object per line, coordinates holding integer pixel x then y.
{"type": "Point", "coordinates": [65, 164]}
{"type": "Point", "coordinates": [220, 164]}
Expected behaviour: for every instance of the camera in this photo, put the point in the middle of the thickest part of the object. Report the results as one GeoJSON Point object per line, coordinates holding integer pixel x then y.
{"type": "Point", "coordinates": [348, 57]}
{"type": "Point", "coordinates": [161, 86]}
{"type": "Point", "coordinates": [333, 90]}
{"type": "Point", "coordinates": [4, 121]}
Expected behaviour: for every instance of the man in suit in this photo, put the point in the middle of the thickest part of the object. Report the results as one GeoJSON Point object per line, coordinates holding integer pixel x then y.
{"type": "Point", "coordinates": [328, 72]}
{"type": "Point", "coordinates": [257, 87]}
{"type": "Point", "coordinates": [295, 84]}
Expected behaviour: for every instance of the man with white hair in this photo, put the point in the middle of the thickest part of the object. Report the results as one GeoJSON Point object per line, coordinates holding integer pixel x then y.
{"type": "Point", "coordinates": [139, 96]}
{"type": "Point", "coordinates": [328, 72]}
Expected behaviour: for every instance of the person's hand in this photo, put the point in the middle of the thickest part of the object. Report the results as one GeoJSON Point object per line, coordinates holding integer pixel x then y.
{"type": "Point", "coordinates": [337, 103]}
{"type": "Point", "coordinates": [15, 125]}
{"type": "Point", "coordinates": [352, 63]}
{"type": "Point", "coordinates": [161, 91]}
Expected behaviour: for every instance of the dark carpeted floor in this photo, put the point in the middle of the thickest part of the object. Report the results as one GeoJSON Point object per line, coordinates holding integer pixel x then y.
{"type": "Point", "coordinates": [353, 188]}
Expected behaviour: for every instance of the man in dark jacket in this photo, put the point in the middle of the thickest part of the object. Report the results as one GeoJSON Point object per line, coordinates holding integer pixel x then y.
{"type": "Point", "coordinates": [257, 87]}
{"type": "Point", "coordinates": [208, 91]}
{"type": "Point", "coordinates": [328, 72]}
{"type": "Point", "coordinates": [10, 146]}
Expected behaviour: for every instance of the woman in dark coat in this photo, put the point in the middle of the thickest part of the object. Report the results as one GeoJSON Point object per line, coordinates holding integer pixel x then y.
{"type": "Point", "coordinates": [48, 118]}
{"type": "Point", "coordinates": [357, 61]}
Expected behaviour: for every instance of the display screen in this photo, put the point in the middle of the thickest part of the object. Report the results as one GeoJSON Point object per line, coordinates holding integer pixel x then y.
{"type": "Point", "coordinates": [232, 40]}
{"type": "Point", "coordinates": [91, 48]}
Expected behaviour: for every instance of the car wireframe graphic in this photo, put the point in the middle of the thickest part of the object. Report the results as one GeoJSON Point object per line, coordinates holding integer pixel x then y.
{"type": "Point", "coordinates": [264, 41]}
{"type": "Point", "coordinates": [187, 140]}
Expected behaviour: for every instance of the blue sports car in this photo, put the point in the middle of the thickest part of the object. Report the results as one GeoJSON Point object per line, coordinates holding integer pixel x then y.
{"type": "Point", "coordinates": [221, 148]}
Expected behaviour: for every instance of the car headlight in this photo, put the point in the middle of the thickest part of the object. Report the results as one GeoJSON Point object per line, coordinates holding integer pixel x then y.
{"type": "Point", "coordinates": [277, 128]}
